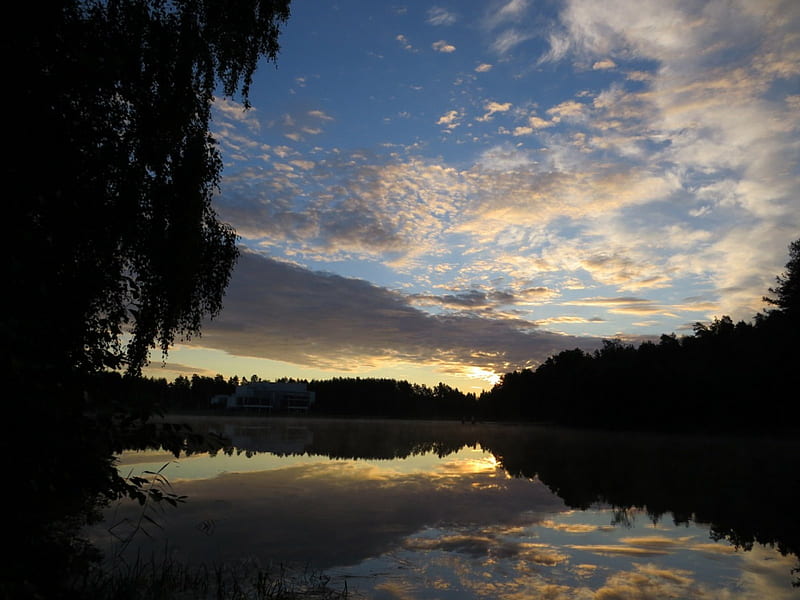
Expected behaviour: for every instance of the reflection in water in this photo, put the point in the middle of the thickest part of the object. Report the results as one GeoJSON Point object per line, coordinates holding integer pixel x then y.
{"type": "Point", "coordinates": [432, 510]}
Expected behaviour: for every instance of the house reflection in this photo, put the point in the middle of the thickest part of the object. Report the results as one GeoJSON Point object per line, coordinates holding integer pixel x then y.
{"type": "Point", "coordinates": [281, 439]}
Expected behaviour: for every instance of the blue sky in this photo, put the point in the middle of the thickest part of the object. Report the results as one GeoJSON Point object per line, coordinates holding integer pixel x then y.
{"type": "Point", "coordinates": [447, 191]}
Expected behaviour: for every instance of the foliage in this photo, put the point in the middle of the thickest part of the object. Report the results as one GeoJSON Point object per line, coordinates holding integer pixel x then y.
{"type": "Point", "coordinates": [116, 101]}
{"type": "Point", "coordinates": [113, 247]}
{"type": "Point", "coordinates": [788, 289]}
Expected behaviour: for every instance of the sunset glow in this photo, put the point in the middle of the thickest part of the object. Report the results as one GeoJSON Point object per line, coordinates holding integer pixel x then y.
{"type": "Point", "coordinates": [446, 192]}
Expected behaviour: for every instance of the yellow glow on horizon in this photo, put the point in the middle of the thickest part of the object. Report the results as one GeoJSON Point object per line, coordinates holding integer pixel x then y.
{"type": "Point", "coordinates": [484, 374]}
{"type": "Point", "coordinates": [187, 359]}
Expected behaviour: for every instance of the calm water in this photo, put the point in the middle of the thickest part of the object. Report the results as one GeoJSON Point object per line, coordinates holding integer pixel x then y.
{"type": "Point", "coordinates": [405, 510]}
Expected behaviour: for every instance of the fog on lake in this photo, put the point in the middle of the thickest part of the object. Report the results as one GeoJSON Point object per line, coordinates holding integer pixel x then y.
{"type": "Point", "coordinates": [423, 510]}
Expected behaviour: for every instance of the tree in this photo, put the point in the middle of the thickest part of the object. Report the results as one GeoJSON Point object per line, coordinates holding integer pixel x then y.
{"type": "Point", "coordinates": [788, 289]}
{"type": "Point", "coordinates": [115, 107]}
{"type": "Point", "coordinates": [113, 245]}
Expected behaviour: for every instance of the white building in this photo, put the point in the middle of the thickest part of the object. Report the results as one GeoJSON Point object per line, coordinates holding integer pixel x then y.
{"type": "Point", "coordinates": [266, 396]}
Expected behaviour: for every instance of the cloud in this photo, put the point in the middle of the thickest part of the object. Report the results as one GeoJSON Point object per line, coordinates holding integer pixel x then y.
{"type": "Point", "coordinates": [485, 301]}
{"type": "Point", "coordinates": [717, 109]}
{"type": "Point", "coordinates": [443, 46]}
{"type": "Point", "coordinates": [569, 109]}
{"type": "Point", "coordinates": [228, 109]}
{"type": "Point", "coordinates": [539, 123]}
{"type": "Point", "coordinates": [560, 46]}
{"type": "Point", "coordinates": [508, 40]}
{"type": "Point", "coordinates": [629, 305]}
{"type": "Point", "coordinates": [319, 114]}
{"type": "Point", "coordinates": [449, 119]}
{"type": "Point", "coordinates": [441, 16]}
{"type": "Point", "coordinates": [492, 107]}
{"type": "Point", "coordinates": [709, 95]}
{"type": "Point", "coordinates": [303, 164]}
{"type": "Point", "coordinates": [511, 10]}
{"type": "Point", "coordinates": [682, 174]}
{"type": "Point", "coordinates": [651, 582]}
{"type": "Point", "coordinates": [606, 63]}
{"type": "Point", "coordinates": [534, 123]}
{"type": "Point", "coordinates": [617, 550]}
{"type": "Point", "coordinates": [485, 67]}
{"type": "Point", "coordinates": [405, 43]}
{"type": "Point", "coordinates": [575, 527]}
{"type": "Point", "coordinates": [298, 124]}
{"type": "Point", "coordinates": [283, 312]}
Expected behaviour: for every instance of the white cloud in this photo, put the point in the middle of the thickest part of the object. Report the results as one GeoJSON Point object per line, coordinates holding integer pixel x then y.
{"type": "Point", "coordinates": [319, 114]}
{"type": "Point", "coordinates": [510, 39]}
{"type": "Point", "coordinates": [716, 108]}
{"type": "Point", "coordinates": [405, 43]}
{"type": "Point", "coordinates": [443, 46]}
{"type": "Point", "coordinates": [441, 16]}
{"type": "Point", "coordinates": [511, 10]}
{"type": "Point", "coordinates": [483, 68]}
{"type": "Point", "coordinates": [606, 63]}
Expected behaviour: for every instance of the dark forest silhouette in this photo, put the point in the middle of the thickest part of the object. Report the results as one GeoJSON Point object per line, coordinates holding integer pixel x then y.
{"type": "Point", "coordinates": [338, 396]}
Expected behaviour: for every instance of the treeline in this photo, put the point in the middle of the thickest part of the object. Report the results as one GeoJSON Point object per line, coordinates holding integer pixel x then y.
{"type": "Point", "coordinates": [340, 396]}
{"type": "Point", "coordinates": [157, 395]}
{"type": "Point", "coordinates": [355, 396]}
{"type": "Point", "coordinates": [725, 376]}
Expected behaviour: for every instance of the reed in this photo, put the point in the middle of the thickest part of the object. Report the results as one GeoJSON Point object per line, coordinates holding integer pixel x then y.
{"type": "Point", "coordinates": [165, 578]}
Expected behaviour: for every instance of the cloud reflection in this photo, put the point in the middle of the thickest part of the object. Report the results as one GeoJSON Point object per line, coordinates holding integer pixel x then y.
{"type": "Point", "coordinates": [336, 512]}
{"type": "Point", "coordinates": [453, 526]}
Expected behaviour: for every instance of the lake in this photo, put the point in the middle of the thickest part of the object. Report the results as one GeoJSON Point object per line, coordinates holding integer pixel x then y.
{"type": "Point", "coordinates": [423, 510]}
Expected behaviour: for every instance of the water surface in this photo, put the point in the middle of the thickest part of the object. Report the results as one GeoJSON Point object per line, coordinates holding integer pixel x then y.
{"type": "Point", "coordinates": [421, 510]}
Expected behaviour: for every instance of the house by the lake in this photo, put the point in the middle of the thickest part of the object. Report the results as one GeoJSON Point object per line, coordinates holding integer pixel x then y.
{"type": "Point", "coordinates": [268, 397]}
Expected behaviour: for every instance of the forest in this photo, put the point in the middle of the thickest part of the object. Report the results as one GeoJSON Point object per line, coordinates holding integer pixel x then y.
{"type": "Point", "coordinates": [338, 396]}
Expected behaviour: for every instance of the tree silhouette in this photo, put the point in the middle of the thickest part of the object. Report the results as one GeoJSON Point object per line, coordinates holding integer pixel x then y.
{"type": "Point", "coordinates": [113, 245]}
{"type": "Point", "coordinates": [788, 289]}
{"type": "Point", "coordinates": [116, 102]}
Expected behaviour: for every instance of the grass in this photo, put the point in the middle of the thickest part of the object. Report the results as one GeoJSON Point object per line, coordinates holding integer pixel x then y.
{"type": "Point", "coordinates": [167, 579]}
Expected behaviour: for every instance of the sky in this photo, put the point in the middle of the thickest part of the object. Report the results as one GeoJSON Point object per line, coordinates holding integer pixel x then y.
{"type": "Point", "coordinates": [449, 191]}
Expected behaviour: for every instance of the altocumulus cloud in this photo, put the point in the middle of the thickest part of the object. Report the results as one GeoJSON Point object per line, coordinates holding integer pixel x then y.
{"type": "Point", "coordinates": [280, 311]}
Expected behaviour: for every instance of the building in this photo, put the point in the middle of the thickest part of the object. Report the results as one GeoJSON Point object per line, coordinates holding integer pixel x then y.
{"type": "Point", "coordinates": [268, 397]}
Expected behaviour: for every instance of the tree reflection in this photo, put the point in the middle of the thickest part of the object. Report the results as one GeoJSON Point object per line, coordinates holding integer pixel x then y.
{"type": "Point", "coordinates": [746, 489]}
